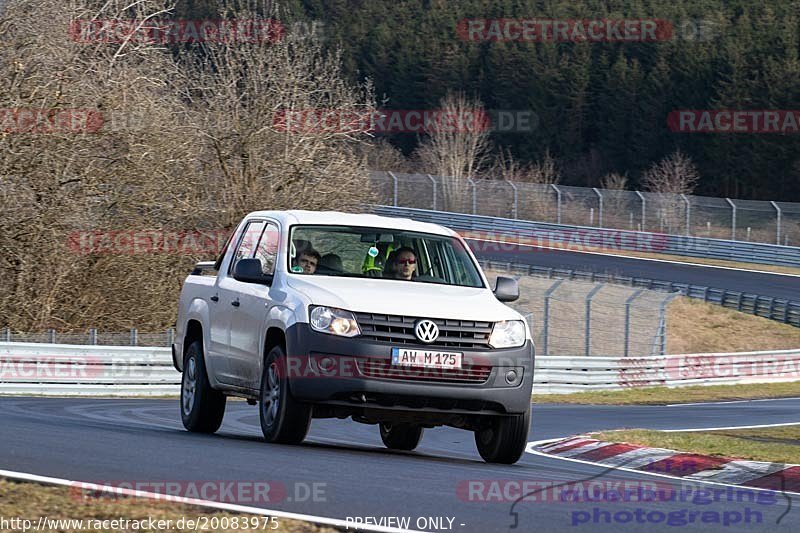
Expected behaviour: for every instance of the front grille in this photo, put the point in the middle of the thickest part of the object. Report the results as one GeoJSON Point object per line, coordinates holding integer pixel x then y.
{"type": "Point", "coordinates": [396, 329]}
{"type": "Point", "coordinates": [383, 369]}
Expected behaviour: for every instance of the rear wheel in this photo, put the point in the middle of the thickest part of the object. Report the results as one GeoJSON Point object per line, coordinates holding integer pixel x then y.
{"type": "Point", "coordinates": [283, 419]}
{"type": "Point", "coordinates": [400, 436]}
{"type": "Point", "coordinates": [202, 407]}
{"type": "Point", "coordinates": [504, 440]}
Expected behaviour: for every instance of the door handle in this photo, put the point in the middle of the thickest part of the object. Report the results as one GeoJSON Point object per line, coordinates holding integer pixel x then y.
{"type": "Point", "coordinates": [235, 303]}
{"type": "Point", "coordinates": [214, 298]}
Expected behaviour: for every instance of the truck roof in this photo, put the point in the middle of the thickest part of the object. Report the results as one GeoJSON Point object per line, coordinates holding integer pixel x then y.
{"type": "Point", "coordinates": [300, 216]}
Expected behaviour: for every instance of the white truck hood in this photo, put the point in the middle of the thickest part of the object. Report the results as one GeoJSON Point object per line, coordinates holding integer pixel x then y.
{"type": "Point", "coordinates": [390, 297]}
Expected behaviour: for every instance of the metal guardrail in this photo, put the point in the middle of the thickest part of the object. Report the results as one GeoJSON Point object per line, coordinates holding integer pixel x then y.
{"type": "Point", "coordinates": [558, 375]}
{"type": "Point", "coordinates": [564, 236]}
{"type": "Point", "coordinates": [82, 370]}
{"type": "Point", "coordinates": [777, 309]}
{"type": "Point", "coordinates": [69, 370]}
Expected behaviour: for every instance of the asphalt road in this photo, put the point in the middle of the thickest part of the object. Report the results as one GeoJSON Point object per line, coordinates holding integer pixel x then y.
{"type": "Point", "coordinates": [113, 441]}
{"type": "Point", "coordinates": [772, 285]}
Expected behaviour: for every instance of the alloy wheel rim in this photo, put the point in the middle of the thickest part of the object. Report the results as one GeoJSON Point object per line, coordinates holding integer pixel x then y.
{"type": "Point", "coordinates": [189, 385]}
{"type": "Point", "coordinates": [272, 396]}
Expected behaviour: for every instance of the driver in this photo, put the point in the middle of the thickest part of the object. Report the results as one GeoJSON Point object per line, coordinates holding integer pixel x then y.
{"type": "Point", "coordinates": [402, 264]}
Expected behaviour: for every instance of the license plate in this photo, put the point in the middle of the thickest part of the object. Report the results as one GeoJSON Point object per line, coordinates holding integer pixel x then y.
{"type": "Point", "coordinates": [425, 358]}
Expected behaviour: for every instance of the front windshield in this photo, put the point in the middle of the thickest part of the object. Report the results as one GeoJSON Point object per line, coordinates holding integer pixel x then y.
{"type": "Point", "coordinates": [381, 253]}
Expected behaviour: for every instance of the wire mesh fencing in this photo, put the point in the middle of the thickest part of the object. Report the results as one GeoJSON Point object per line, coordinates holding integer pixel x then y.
{"type": "Point", "coordinates": [674, 214]}
{"type": "Point", "coordinates": [577, 318]}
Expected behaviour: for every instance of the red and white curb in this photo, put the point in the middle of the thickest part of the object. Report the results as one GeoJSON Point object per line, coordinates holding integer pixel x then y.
{"type": "Point", "coordinates": [689, 466]}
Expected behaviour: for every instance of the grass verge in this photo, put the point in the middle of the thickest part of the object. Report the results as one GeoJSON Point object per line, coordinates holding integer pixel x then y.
{"type": "Point", "coordinates": [30, 501]}
{"type": "Point", "coordinates": [666, 395]}
{"type": "Point", "coordinates": [778, 445]}
{"type": "Point", "coordinates": [694, 326]}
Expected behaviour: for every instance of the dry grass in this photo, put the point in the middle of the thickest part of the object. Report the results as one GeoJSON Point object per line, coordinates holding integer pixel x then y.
{"type": "Point", "coordinates": [779, 445]}
{"type": "Point", "coordinates": [31, 501]}
{"type": "Point", "coordinates": [666, 395]}
{"type": "Point", "coordinates": [699, 327]}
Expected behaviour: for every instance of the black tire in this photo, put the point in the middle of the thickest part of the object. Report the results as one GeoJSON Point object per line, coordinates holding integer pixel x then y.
{"type": "Point", "coordinates": [400, 436]}
{"type": "Point", "coordinates": [505, 439]}
{"type": "Point", "coordinates": [202, 407]}
{"type": "Point", "coordinates": [283, 419]}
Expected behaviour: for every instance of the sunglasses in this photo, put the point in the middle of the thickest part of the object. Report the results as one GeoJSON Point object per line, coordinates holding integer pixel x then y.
{"type": "Point", "coordinates": [407, 261]}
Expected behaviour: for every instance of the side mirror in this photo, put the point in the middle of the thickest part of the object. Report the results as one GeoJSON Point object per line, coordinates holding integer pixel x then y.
{"type": "Point", "coordinates": [506, 289]}
{"type": "Point", "coordinates": [249, 271]}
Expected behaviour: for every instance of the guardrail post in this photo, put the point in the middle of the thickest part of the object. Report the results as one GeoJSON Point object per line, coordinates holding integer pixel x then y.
{"type": "Point", "coordinates": [170, 336]}
{"type": "Point", "coordinates": [733, 218]}
{"type": "Point", "coordinates": [394, 195]}
{"type": "Point", "coordinates": [546, 316]}
{"type": "Point", "coordinates": [92, 336]}
{"type": "Point", "coordinates": [558, 202]}
{"type": "Point", "coordinates": [434, 191]}
{"type": "Point", "coordinates": [134, 337]}
{"type": "Point", "coordinates": [628, 303]}
{"type": "Point", "coordinates": [688, 215]}
{"type": "Point", "coordinates": [644, 209]}
{"type": "Point", "coordinates": [52, 335]}
{"type": "Point", "coordinates": [600, 206]}
{"type": "Point", "coordinates": [515, 208]}
{"type": "Point", "coordinates": [778, 225]}
{"type": "Point", "coordinates": [7, 335]}
{"type": "Point", "coordinates": [588, 335]}
{"type": "Point", "coordinates": [474, 197]}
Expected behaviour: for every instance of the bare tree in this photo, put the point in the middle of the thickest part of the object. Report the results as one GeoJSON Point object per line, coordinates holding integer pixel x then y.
{"type": "Point", "coordinates": [671, 177]}
{"type": "Point", "coordinates": [177, 144]}
{"type": "Point", "coordinates": [614, 181]}
{"type": "Point", "coordinates": [675, 174]}
{"type": "Point", "coordinates": [457, 150]}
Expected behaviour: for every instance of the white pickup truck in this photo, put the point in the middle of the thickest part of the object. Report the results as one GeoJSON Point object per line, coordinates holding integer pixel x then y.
{"type": "Point", "coordinates": [334, 315]}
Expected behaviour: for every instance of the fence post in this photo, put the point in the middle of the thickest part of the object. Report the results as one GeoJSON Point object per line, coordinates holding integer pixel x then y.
{"type": "Point", "coordinates": [394, 195]}
{"type": "Point", "coordinates": [600, 201]}
{"type": "Point", "coordinates": [663, 322]}
{"type": "Point", "coordinates": [628, 304]}
{"type": "Point", "coordinates": [546, 317]}
{"type": "Point", "coordinates": [588, 335]}
{"type": "Point", "coordinates": [644, 209]}
{"type": "Point", "coordinates": [778, 225]}
{"type": "Point", "coordinates": [515, 208]}
{"type": "Point", "coordinates": [733, 218]}
{"type": "Point", "coordinates": [558, 202]}
{"type": "Point", "coordinates": [434, 190]}
{"type": "Point", "coordinates": [134, 336]}
{"type": "Point", "coordinates": [688, 215]}
{"type": "Point", "coordinates": [474, 198]}
{"type": "Point", "coordinates": [92, 336]}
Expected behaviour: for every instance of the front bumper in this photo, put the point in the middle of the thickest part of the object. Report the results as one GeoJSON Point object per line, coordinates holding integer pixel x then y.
{"type": "Point", "coordinates": [347, 382]}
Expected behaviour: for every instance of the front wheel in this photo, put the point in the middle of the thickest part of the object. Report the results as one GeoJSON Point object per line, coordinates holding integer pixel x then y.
{"type": "Point", "coordinates": [400, 436]}
{"type": "Point", "coordinates": [202, 407]}
{"type": "Point", "coordinates": [283, 419]}
{"type": "Point", "coordinates": [504, 440]}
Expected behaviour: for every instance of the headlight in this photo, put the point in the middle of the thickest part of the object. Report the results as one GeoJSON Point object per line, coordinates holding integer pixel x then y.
{"type": "Point", "coordinates": [334, 321]}
{"type": "Point", "coordinates": [508, 334]}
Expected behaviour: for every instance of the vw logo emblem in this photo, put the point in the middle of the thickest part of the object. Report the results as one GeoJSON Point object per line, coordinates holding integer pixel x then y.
{"type": "Point", "coordinates": [426, 330]}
